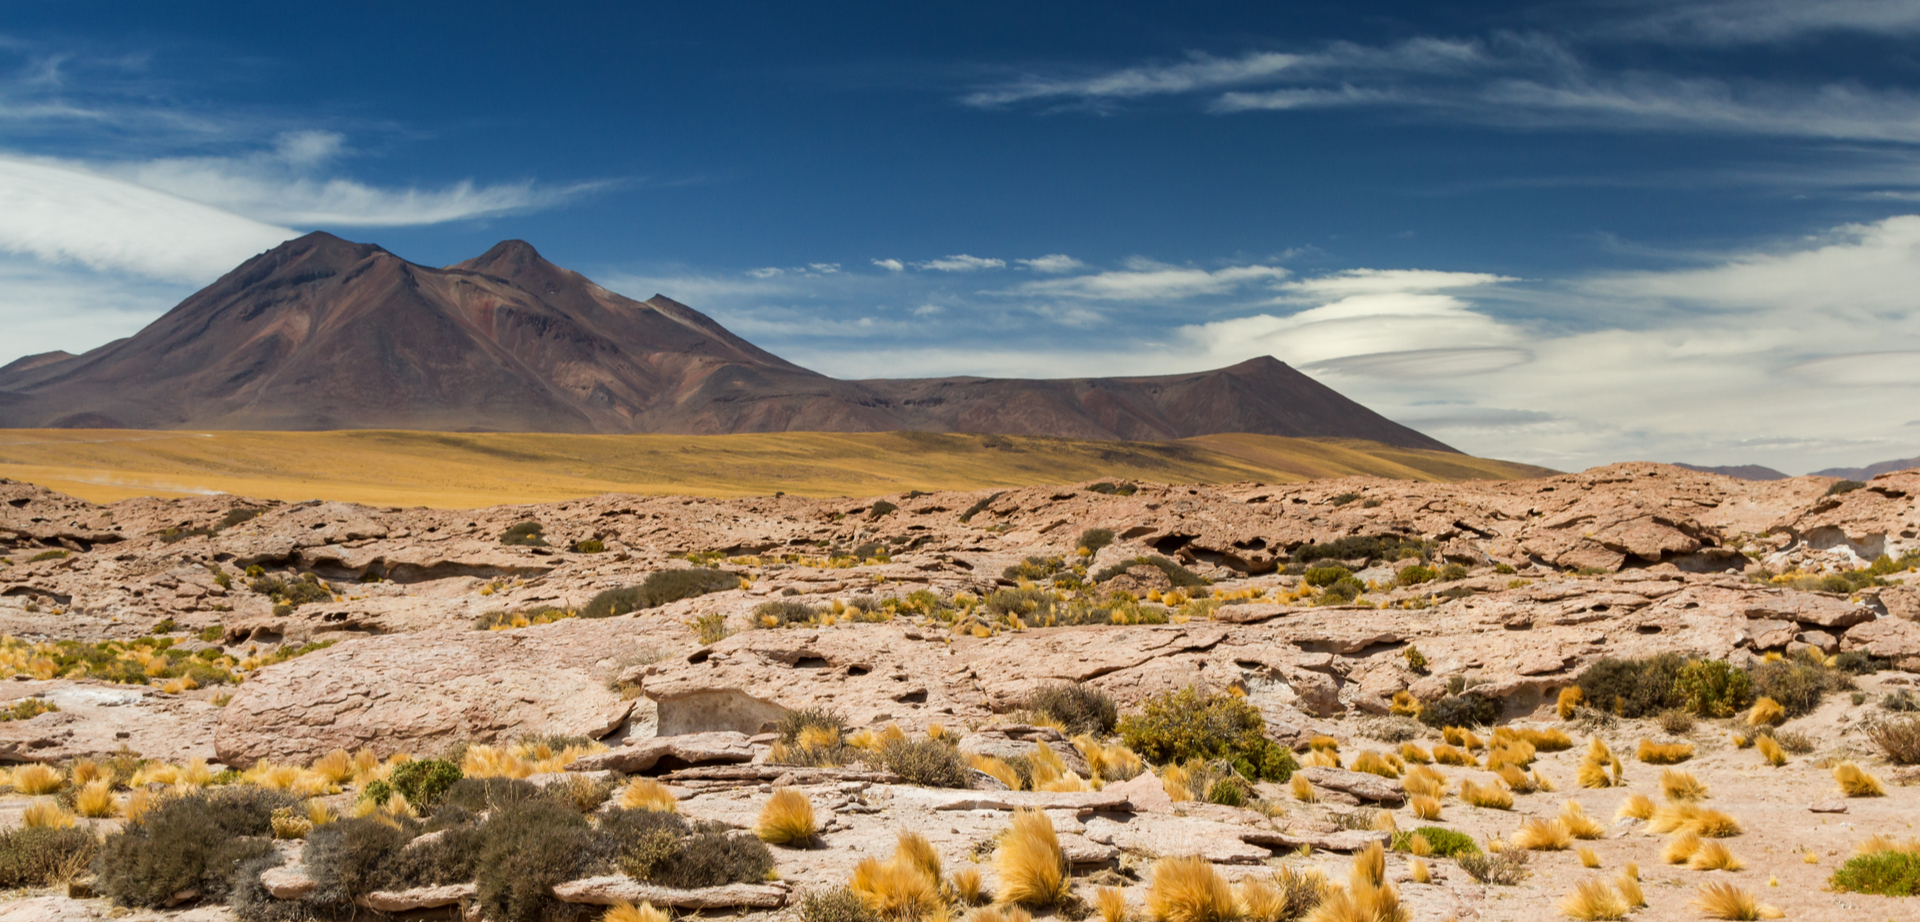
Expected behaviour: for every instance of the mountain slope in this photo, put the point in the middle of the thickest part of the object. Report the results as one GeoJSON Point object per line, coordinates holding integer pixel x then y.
{"type": "Point", "coordinates": [321, 333]}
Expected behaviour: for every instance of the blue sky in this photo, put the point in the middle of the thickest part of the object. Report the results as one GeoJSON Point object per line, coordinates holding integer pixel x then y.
{"type": "Point", "coordinates": [1567, 233]}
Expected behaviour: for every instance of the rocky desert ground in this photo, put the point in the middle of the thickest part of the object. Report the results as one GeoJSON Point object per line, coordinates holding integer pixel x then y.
{"type": "Point", "coordinates": [1340, 699]}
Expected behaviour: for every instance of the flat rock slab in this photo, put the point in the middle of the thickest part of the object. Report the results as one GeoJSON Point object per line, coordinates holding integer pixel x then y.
{"type": "Point", "coordinates": [606, 891]}
{"type": "Point", "coordinates": [1077, 801]}
{"type": "Point", "coordinates": [719, 746]}
{"type": "Point", "coordinates": [417, 897]}
{"type": "Point", "coordinates": [288, 882]}
{"type": "Point", "coordinates": [785, 774]}
{"type": "Point", "coordinates": [1159, 834]}
{"type": "Point", "coordinates": [1360, 784]}
{"type": "Point", "coordinates": [1345, 840]}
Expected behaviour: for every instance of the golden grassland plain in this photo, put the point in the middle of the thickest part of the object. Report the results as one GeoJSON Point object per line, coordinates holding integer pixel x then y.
{"type": "Point", "coordinates": [461, 470]}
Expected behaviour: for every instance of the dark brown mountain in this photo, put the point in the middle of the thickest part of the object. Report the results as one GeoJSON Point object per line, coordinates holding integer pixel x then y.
{"type": "Point", "coordinates": [321, 333]}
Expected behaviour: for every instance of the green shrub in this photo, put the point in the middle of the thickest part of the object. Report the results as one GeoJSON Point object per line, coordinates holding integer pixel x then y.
{"type": "Point", "coordinates": [177, 535]}
{"type": "Point", "coordinates": [1343, 590]}
{"type": "Point", "coordinates": [1093, 539]}
{"type": "Point", "coordinates": [1416, 660]}
{"type": "Point", "coordinates": [480, 795]}
{"type": "Point", "coordinates": [1454, 571]}
{"type": "Point", "coordinates": [881, 508]}
{"type": "Point", "coordinates": [1843, 487]}
{"type": "Point", "coordinates": [47, 555]}
{"type": "Point", "coordinates": [1179, 726]}
{"type": "Point", "coordinates": [1887, 873]}
{"type": "Point", "coordinates": [1415, 575]}
{"type": "Point", "coordinates": [660, 588]}
{"type": "Point", "coordinates": [423, 781]}
{"type": "Point", "coordinates": [26, 709]}
{"type": "Point", "coordinates": [1797, 684]}
{"type": "Point", "coordinates": [663, 848]}
{"type": "Point", "coordinates": [1025, 604]}
{"type": "Point", "coordinates": [35, 857]}
{"type": "Point", "coordinates": [1321, 577]}
{"type": "Point", "coordinates": [1180, 576]}
{"type": "Point", "coordinates": [525, 534]}
{"type": "Point", "coordinates": [979, 507]}
{"type": "Point", "coordinates": [526, 848]}
{"type": "Point", "coordinates": [1464, 710]}
{"type": "Point", "coordinates": [782, 612]}
{"type": "Point", "coordinates": [927, 762]}
{"type": "Point", "coordinates": [1856, 662]}
{"type": "Point", "coordinates": [1079, 708]}
{"type": "Point", "coordinates": [711, 628]}
{"type": "Point", "coordinates": [591, 546]}
{"type": "Point", "coordinates": [1114, 489]}
{"type": "Point", "coordinates": [190, 842]}
{"type": "Point", "coordinates": [1230, 791]}
{"type": "Point", "coordinates": [212, 633]}
{"type": "Point", "coordinates": [1373, 547]}
{"type": "Point", "coordinates": [1446, 843]}
{"type": "Point", "coordinates": [838, 904]}
{"type": "Point", "coordinates": [301, 590]}
{"type": "Point", "coordinates": [1633, 688]}
{"type": "Point", "coordinates": [1506, 868]}
{"type": "Point", "coordinates": [1034, 568]}
{"type": "Point", "coordinates": [1713, 688]}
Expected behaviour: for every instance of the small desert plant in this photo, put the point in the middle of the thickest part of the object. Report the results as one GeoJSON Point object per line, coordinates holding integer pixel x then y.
{"type": "Point", "coordinates": [1713, 688]}
{"type": "Point", "coordinates": [839, 904]}
{"type": "Point", "coordinates": [966, 885]}
{"type": "Point", "coordinates": [1678, 784]}
{"type": "Point", "coordinates": [627, 912]}
{"type": "Point", "coordinates": [1593, 899]}
{"type": "Point", "coordinates": [424, 781]}
{"type": "Point", "coordinates": [1675, 721]}
{"type": "Point", "coordinates": [1770, 750]}
{"type": "Point", "coordinates": [1680, 848]}
{"type": "Point", "coordinates": [647, 794]}
{"type": "Point", "coordinates": [34, 778]}
{"type": "Point", "coordinates": [1632, 688]}
{"type": "Point", "coordinates": [711, 628]}
{"type": "Point", "coordinates": [1424, 807]}
{"type": "Point", "coordinates": [1464, 710]}
{"type": "Point", "coordinates": [1543, 835]}
{"type": "Point", "coordinates": [930, 762]}
{"type": "Point", "coordinates": [1093, 539]}
{"type": "Point", "coordinates": [1447, 755]}
{"type": "Point", "coordinates": [1491, 796]}
{"type": "Point", "coordinates": [1663, 753]}
{"type": "Point", "coordinates": [1856, 782]}
{"type": "Point", "coordinates": [1505, 868]}
{"type": "Point", "coordinates": [1569, 699]}
{"type": "Point", "coordinates": [524, 534]}
{"type": "Point", "coordinates": [1796, 685]}
{"type": "Point", "coordinates": [96, 799]}
{"type": "Point", "coordinates": [787, 819]}
{"type": "Point", "coordinates": [1636, 806]}
{"type": "Point", "coordinates": [1032, 870]}
{"type": "Point", "coordinates": [1579, 823]}
{"type": "Point", "coordinates": [1628, 883]}
{"type": "Point", "coordinates": [1727, 901]}
{"type": "Point", "coordinates": [1686, 817]}
{"type": "Point", "coordinates": [1181, 577]}
{"type": "Point", "coordinates": [1765, 712]}
{"type": "Point", "coordinates": [1888, 872]}
{"type": "Point", "coordinates": [1181, 726]}
{"type": "Point", "coordinates": [1714, 856]}
{"type": "Point", "coordinates": [1898, 737]}
{"type": "Point", "coordinates": [1078, 708]}
{"type": "Point", "coordinates": [1589, 858]}
{"type": "Point", "coordinates": [1189, 890]}
{"type": "Point", "coordinates": [40, 857]}
{"type": "Point", "coordinates": [188, 842]}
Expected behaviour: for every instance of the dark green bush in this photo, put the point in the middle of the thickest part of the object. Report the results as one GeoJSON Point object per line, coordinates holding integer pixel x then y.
{"type": "Point", "coordinates": [526, 848]}
{"type": "Point", "coordinates": [1343, 590]}
{"type": "Point", "coordinates": [190, 842]}
{"type": "Point", "coordinates": [1178, 726]}
{"type": "Point", "coordinates": [1113, 489]}
{"type": "Point", "coordinates": [979, 507]}
{"type": "Point", "coordinates": [1454, 571]}
{"type": "Point", "coordinates": [525, 534]}
{"type": "Point", "coordinates": [480, 795]}
{"type": "Point", "coordinates": [1887, 873]}
{"type": "Point", "coordinates": [783, 612]}
{"type": "Point", "coordinates": [1180, 576]}
{"type": "Point", "coordinates": [295, 592]}
{"type": "Point", "coordinates": [836, 905]}
{"type": "Point", "coordinates": [1464, 710]}
{"type": "Point", "coordinates": [662, 848]}
{"type": "Point", "coordinates": [423, 781]}
{"type": "Point", "coordinates": [590, 546]}
{"type": "Point", "coordinates": [1079, 708]}
{"type": "Point", "coordinates": [1858, 663]}
{"type": "Point", "coordinates": [793, 723]}
{"type": "Point", "coordinates": [1843, 487]}
{"type": "Point", "coordinates": [1321, 577]}
{"type": "Point", "coordinates": [1034, 568]}
{"type": "Point", "coordinates": [1374, 547]}
{"type": "Point", "coordinates": [1796, 683]}
{"type": "Point", "coordinates": [881, 508]}
{"type": "Point", "coordinates": [1021, 603]}
{"type": "Point", "coordinates": [928, 762]}
{"type": "Point", "coordinates": [33, 857]}
{"type": "Point", "coordinates": [660, 588]}
{"type": "Point", "coordinates": [1713, 688]}
{"type": "Point", "coordinates": [1415, 575]}
{"type": "Point", "coordinates": [249, 900]}
{"type": "Point", "coordinates": [1633, 687]}
{"type": "Point", "coordinates": [1230, 791]}
{"type": "Point", "coordinates": [1093, 539]}
{"type": "Point", "coordinates": [1446, 843]}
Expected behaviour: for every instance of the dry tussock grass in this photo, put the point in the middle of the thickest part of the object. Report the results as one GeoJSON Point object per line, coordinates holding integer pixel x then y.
{"type": "Point", "coordinates": [1188, 889]}
{"type": "Point", "coordinates": [1654, 753]}
{"type": "Point", "coordinates": [1489, 796]}
{"type": "Point", "coordinates": [1856, 782]}
{"type": "Point", "coordinates": [787, 819]}
{"type": "Point", "coordinates": [1637, 806]}
{"type": "Point", "coordinates": [1726, 901]}
{"type": "Point", "coordinates": [1542, 835]}
{"type": "Point", "coordinates": [627, 912]}
{"type": "Point", "coordinates": [1593, 900]}
{"type": "Point", "coordinates": [1579, 823]}
{"type": "Point", "coordinates": [1678, 784]}
{"type": "Point", "coordinates": [1714, 856]}
{"type": "Point", "coordinates": [1031, 869]}
{"type": "Point", "coordinates": [1771, 751]}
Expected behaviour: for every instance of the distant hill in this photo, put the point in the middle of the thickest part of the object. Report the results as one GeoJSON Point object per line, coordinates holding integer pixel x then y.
{"type": "Point", "coordinates": [1870, 471]}
{"type": "Point", "coordinates": [322, 334]}
{"type": "Point", "coordinates": [1742, 471]}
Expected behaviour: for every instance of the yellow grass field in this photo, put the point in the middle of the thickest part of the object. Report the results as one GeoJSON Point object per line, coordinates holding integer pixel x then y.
{"type": "Point", "coordinates": [461, 470]}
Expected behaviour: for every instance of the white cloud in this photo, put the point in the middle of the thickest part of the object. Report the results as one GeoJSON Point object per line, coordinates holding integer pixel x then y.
{"type": "Point", "coordinates": [1746, 21]}
{"type": "Point", "coordinates": [891, 265]}
{"type": "Point", "coordinates": [824, 268]}
{"type": "Point", "coordinates": [54, 212]}
{"type": "Point", "coordinates": [45, 307]}
{"type": "Point", "coordinates": [1200, 72]}
{"type": "Point", "coordinates": [1053, 263]}
{"type": "Point", "coordinates": [928, 310]}
{"type": "Point", "coordinates": [767, 272]}
{"type": "Point", "coordinates": [961, 263]}
{"type": "Point", "coordinates": [1379, 281]}
{"type": "Point", "coordinates": [1150, 283]}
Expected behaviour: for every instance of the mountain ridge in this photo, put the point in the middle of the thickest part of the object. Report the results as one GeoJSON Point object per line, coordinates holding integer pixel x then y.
{"type": "Point", "coordinates": [321, 333]}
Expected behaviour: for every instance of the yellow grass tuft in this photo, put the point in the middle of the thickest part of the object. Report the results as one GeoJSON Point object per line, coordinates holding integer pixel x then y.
{"type": "Point", "coordinates": [1555, 740]}
{"type": "Point", "coordinates": [1570, 697]}
{"type": "Point", "coordinates": [1591, 900]}
{"type": "Point", "coordinates": [1030, 867]}
{"type": "Point", "coordinates": [139, 801]}
{"type": "Point", "coordinates": [1766, 712]}
{"type": "Point", "coordinates": [1367, 896]}
{"type": "Point", "coordinates": [1303, 790]}
{"type": "Point", "coordinates": [895, 889]}
{"type": "Point", "coordinates": [1322, 758]}
{"type": "Point", "coordinates": [1855, 782]}
{"type": "Point", "coordinates": [1419, 871]}
{"type": "Point", "coordinates": [46, 813]}
{"type": "Point", "coordinates": [914, 849]}
{"type": "Point", "coordinates": [1517, 780]}
{"type": "Point", "coordinates": [319, 814]}
{"type": "Point", "coordinates": [999, 769]}
{"type": "Point", "coordinates": [1491, 796]}
{"type": "Point", "coordinates": [1542, 835]}
{"type": "Point", "coordinates": [1415, 754]}
{"type": "Point", "coordinates": [1680, 848]}
{"type": "Point", "coordinates": [95, 798]}
{"type": "Point", "coordinates": [1177, 781]}
{"type": "Point", "coordinates": [1423, 780]}
{"type": "Point", "coordinates": [624, 911]}
{"type": "Point", "coordinates": [1323, 743]}
{"type": "Point", "coordinates": [1374, 763]}
{"type": "Point", "coordinates": [1189, 890]}
{"type": "Point", "coordinates": [1108, 763]}
{"type": "Point", "coordinates": [1740, 740]}
{"type": "Point", "coordinates": [1637, 806]}
{"type": "Point", "coordinates": [967, 886]}
{"type": "Point", "coordinates": [1726, 901]}
{"type": "Point", "coordinates": [1679, 784]}
{"type": "Point", "coordinates": [648, 794]}
{"type": "Point", "coordinates": [1405, 704]}
{"type": "Point", "coordinates": [1445, 754]}
{"type": "Point", "coordinates": [87, 771]}
{"type": "Point", "coordinates": [37, 779]}
{"type": "Point", "coordinates": [1542, 782]}
{"type": "Point", "coordinates": [1663, 753]}
{"type": "Point", "coordinates": [195, 774]}
{"type": "Point", "coordinates": [1685, 817]}
{"type": "Point", "coordinates": [1714, 856]}
{"type": "Point", "coordinates": [1588, 857]}
{"type": "Point", "coordinates": [1579, 823]}
{"type": "Point", "coordinates": [1419, 846]}
{"type": "Point", "coordinates": [335, 766]}
{"type": "Point", "coordinates": [1111, 904]}
{"type": "Point", "coordinates": [1771, 750]}
{"type": "Point", "coordinates": [1628, 883]}
{"type": "Point", "coordinates": [787, 819]}
{"type": "Point", "coordinates": [1601, 768]}
{"type": "Point", "coordinates": [1425, 807]}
